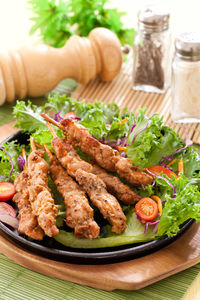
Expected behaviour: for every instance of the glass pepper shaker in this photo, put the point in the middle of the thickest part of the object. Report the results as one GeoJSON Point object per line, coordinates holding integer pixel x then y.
{"type": "Point", "coordinates": [151, 67]}
{"type": "Point", "coordinates": [186, 78]}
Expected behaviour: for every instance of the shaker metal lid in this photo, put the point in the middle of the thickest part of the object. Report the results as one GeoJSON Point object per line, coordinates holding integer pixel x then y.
{"type": "Point", "coordinates": [154, 15]}
{"type": "Point", "coordinates": [188, 44]}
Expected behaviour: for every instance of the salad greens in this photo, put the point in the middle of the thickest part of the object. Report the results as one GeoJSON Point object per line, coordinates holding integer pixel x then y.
{"type": "Point", "coordinates": [177, 210]}
{"type": "Point", "coordinates": [145, 140]}
{"type": "Point", "coordinates": [15, 150]}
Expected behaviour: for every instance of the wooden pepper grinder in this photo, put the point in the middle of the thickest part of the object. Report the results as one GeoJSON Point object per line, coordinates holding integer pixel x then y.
{"type": "Point", "coordinates": [36, 70]}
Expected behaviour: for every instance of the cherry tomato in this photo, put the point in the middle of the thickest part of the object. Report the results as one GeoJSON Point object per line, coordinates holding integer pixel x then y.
{"type": "Point", "coordinates": [146, 209]}
{"type": "Point", "coordinates": [7, 209]}
{"type": "Point", "coordinates": [7, 191]}
{"type": "Point", "coordinates": [158, 169]}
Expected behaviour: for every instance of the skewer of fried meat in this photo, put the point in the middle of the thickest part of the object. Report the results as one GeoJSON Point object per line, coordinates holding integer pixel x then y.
{"type": "Point", "coordinates": [91, 184]}
{"type": "Point", "coordinates": [113, 184]}
{"type": "Point", "coordinates": [105, 156]}
{"type": "Point", "coordinates": [28, 223]}
{"type": "Point", "coordinates": [42, 202]}
{"type": "Point", "coordinates": [79, 214]}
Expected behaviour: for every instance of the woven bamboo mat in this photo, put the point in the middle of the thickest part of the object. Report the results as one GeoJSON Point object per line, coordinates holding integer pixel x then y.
{"type": "Point", "coordinates": [120, 91]}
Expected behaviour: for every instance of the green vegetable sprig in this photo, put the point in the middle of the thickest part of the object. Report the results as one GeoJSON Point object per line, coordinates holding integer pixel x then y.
{"type": "Point", "coordinates": [58, 20]}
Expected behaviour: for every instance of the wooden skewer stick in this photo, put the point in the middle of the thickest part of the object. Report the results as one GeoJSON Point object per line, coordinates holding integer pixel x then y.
{"type": "Point", "coordinates": [24, 157]}
{"type": "Point", "coordinates": [50, 120]}
{"type": "Point", "coordinates": [33, 146]}
{"type": "Point", "coordinates": [39, 145]}
{"type": "Point", "coordinates": [51, 130]}
{"type": "Point", "coordinates": [48, 151]}
{"type": "Point", "coordinates": [24, 154]}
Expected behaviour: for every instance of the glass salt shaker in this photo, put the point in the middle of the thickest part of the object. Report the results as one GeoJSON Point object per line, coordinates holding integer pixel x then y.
{"type": "Point", "coordinates": [186, 78]}
{"type": "Point", "coordinates": [152, 54]}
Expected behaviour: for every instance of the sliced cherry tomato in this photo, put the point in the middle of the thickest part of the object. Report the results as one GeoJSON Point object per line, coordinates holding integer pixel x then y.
{"type": "Point", "coordinates": [7, 209]}
{"type": "Point", "coordinates": [7, 191]}
{"type": "Point", "coordinates": [146, 209]}
{"type": "Point", "coordinates": [69, 115]}
{"type": "Point", "coordinates": [158, 169]}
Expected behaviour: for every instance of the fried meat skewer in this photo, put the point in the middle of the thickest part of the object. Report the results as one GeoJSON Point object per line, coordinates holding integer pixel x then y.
{"type": "Point", "coordinates": [92, 184]}
{"type": "Point", "coordinates": [116, 187]}
{"type": "Point", "coordinates": [113, 184]}
{"type": "Point", "coordinates": [106, 203]}
{"type": "Point", "coordinates": [41, 199]}
{"type": "Point", "coordinates": [28, 223]}
{"type": "Point", "coordinates": [79, 214]}
{"type": "Point", "coordinates": [104, 155]}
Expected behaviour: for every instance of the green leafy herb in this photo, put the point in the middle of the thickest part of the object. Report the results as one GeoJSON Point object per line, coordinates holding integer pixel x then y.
{"type": "Point", "coordinates": [58, 20]}
{"type": "Point", "coordinates": [52, 19]}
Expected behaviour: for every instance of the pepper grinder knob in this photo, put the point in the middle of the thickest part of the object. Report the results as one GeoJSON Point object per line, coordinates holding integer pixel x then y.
{"type": "Point", "coordinates": [35, 70]}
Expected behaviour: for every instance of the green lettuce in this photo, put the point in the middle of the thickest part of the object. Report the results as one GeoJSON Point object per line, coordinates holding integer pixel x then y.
{"type": "Point", "coordinates": [29, 120]}
{"type": "Point", "coordinates": [184, 206]}
{"type": "Point", "coordinates": [15, 150]}
{"type": "Point", "coordinates": [102, 120]}
{"type": "Point", "coordinates": [151, 144]}
{"type": "Point", "coordinates": [191, 162]}
{"type": "Point", "coordinates": [28, 116]}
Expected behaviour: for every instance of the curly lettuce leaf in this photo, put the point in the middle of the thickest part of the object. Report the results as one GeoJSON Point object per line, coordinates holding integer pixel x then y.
{"type": "Point", "coordinates": [101, 120]}
{"type": "Point", "coordinates": [28, 116]}
{"type": "Point", "coordinates": [151, 144]}
{"type": "Point", "coordinates": [184, 206]}
{"type": "Point", "coordinates": [191, 162]}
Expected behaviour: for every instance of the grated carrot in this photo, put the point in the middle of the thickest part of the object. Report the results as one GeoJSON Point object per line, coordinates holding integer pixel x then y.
{"type": "Point", "coordinates": [180, 167]}
{"type": "Point", "coordinates": [171, 162]}
{"type": "Point", "coordinates": [158, 200]}
{"type": "Point", "coordinates": [120, 148]}
{"type": "Point", "coordinates": [122, 121]}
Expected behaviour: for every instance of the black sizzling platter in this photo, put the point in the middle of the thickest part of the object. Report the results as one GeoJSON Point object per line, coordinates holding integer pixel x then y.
{"type": "Point", "coordinates": [53, 250]}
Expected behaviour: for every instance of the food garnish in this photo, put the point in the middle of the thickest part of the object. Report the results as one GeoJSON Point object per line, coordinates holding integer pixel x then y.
{"type": "Point", "coordinates": [146, 209]}
{"type": "Point", "coordinates": [158, 170]}
{"type": "Point", "coordinates": [7, 190]}
{"type": "Point", "coordinates": [11, 162]}
{"type": "Point", "coordinates": [9, 220]}
{"type": "Point", "coordinates": [8, 215]}
{"type": "Point", "coordinates": [158, 200]}
{"type": "Point", "coordinates": [180, 167]}
{"type": "Point", "coordinates": [6, 208]}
